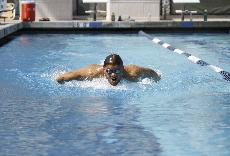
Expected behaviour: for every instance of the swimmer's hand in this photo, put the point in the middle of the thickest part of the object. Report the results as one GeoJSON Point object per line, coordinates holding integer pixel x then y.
{"type": "Point", "coordinates": [60, 80]}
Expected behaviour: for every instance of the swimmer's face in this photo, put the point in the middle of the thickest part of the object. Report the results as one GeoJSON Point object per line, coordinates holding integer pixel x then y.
{"type": "Point", "coordinates": [113, 74]}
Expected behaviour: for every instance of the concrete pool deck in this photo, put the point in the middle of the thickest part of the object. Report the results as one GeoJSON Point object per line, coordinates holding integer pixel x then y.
{"type": "Point", "coordinates": [9, 28]}
{"type": "Point", "coordinates": [168, 25]}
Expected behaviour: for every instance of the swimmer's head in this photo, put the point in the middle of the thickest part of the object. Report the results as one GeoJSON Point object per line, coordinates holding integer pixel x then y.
{"type": "Point", "coordinates": [113, 69]}
{"type": "Point", "coordinates": [113, 59]}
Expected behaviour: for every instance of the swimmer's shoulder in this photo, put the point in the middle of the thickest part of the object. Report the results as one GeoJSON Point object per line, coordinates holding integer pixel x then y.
{"type": "Point", "coordinates": [132, 72]}
{"type": "Point", "coordinates": [95, 70]}
{"type": "Point", "coordinates": [131, 68]}
{"type": "Point", "coordinates": [95, 66]}
{"type": "Point", "coordinates": [135, 72]}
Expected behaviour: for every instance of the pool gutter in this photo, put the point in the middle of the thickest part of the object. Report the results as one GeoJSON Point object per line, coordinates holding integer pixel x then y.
{"type": "Point", "coordinates": [7, 29]}
{"type": "Point", "coordinates": [99, 26]}
{"type": "Point", "coordinates": [129, 25]}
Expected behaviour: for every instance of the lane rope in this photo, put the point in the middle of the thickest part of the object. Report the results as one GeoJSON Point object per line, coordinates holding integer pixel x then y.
{"type": "Point", "coordinates": [194, 59]}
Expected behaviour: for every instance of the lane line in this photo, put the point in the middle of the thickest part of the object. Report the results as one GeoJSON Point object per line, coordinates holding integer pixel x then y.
{"type": "Point", "coordinates": [194, 59]}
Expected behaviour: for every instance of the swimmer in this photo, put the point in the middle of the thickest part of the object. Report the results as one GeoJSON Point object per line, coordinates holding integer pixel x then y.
{"type": "Point", "coordinates": [114, 71]}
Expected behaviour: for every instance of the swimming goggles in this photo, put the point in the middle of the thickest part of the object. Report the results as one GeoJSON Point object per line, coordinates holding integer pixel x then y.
{"type": "Point", "coordinates": [110, 71]}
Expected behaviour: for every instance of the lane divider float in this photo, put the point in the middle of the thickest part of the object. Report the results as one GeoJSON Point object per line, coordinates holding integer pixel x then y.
{"type": "Point", "coordinates": [194, 59]}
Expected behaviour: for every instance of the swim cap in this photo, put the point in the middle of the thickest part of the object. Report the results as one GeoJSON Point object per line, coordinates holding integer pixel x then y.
{"type": "Point", "coordinates": [113, 59]}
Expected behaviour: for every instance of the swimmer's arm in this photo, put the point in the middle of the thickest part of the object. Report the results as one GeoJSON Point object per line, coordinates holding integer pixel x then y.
{"type": "Point", "coordinates": [147, 72]}
{"type": "Point", "coordinates": [136, 72]}
{"type": "Point", "coordinates": [88, 72]}
{"type": "Point", "coordinates": [68, 76]}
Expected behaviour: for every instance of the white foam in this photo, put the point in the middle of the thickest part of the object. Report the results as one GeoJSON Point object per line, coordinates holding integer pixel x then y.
{"type": "Point", "coordinates": [53, 74]}
{"type": "Point", "coordinates": [97, 83]}
{"type": "Point", "coordinates": [12, 70]}
{"type": "Point", "coordinates": [146, 81]}
{"type": "Point", "coordinates": [98, 86]}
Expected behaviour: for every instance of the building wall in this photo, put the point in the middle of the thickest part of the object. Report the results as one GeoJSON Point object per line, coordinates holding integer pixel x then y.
{"type": "Point", "coordinates": [3, 4]}
{"type": "Point", "coordinates": [140, 10]}
{"type": "Point", "coordinates": [74, 7]}
{"type": "Point", "coordinates": [214, 7]}
{"type": "Point", "coordinates": [54, 9]}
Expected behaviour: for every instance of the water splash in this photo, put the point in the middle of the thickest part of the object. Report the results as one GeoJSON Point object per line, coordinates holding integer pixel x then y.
{"type": "Point", "coordinates": [98, 86]}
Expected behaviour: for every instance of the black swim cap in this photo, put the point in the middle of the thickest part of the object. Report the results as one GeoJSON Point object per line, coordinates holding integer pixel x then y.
{"type": "Point", "coordinates": [113, 59]}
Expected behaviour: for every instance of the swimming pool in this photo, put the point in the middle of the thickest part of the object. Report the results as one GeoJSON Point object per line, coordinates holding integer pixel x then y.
{"type": "Point", "coordinates": [186, 113]}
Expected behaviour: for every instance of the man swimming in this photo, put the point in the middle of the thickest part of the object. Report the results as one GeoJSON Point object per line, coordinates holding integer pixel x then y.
{"type": "Point", "coordinates": [114, 71]}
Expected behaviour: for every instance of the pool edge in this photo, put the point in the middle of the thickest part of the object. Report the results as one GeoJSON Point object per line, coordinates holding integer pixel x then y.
{"type": "Point", "coordinates": [7, 29]}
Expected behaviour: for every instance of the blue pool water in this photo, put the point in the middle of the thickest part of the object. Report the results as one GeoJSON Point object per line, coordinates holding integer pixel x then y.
{"type": "Point", "coordinates": [186, 113]}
